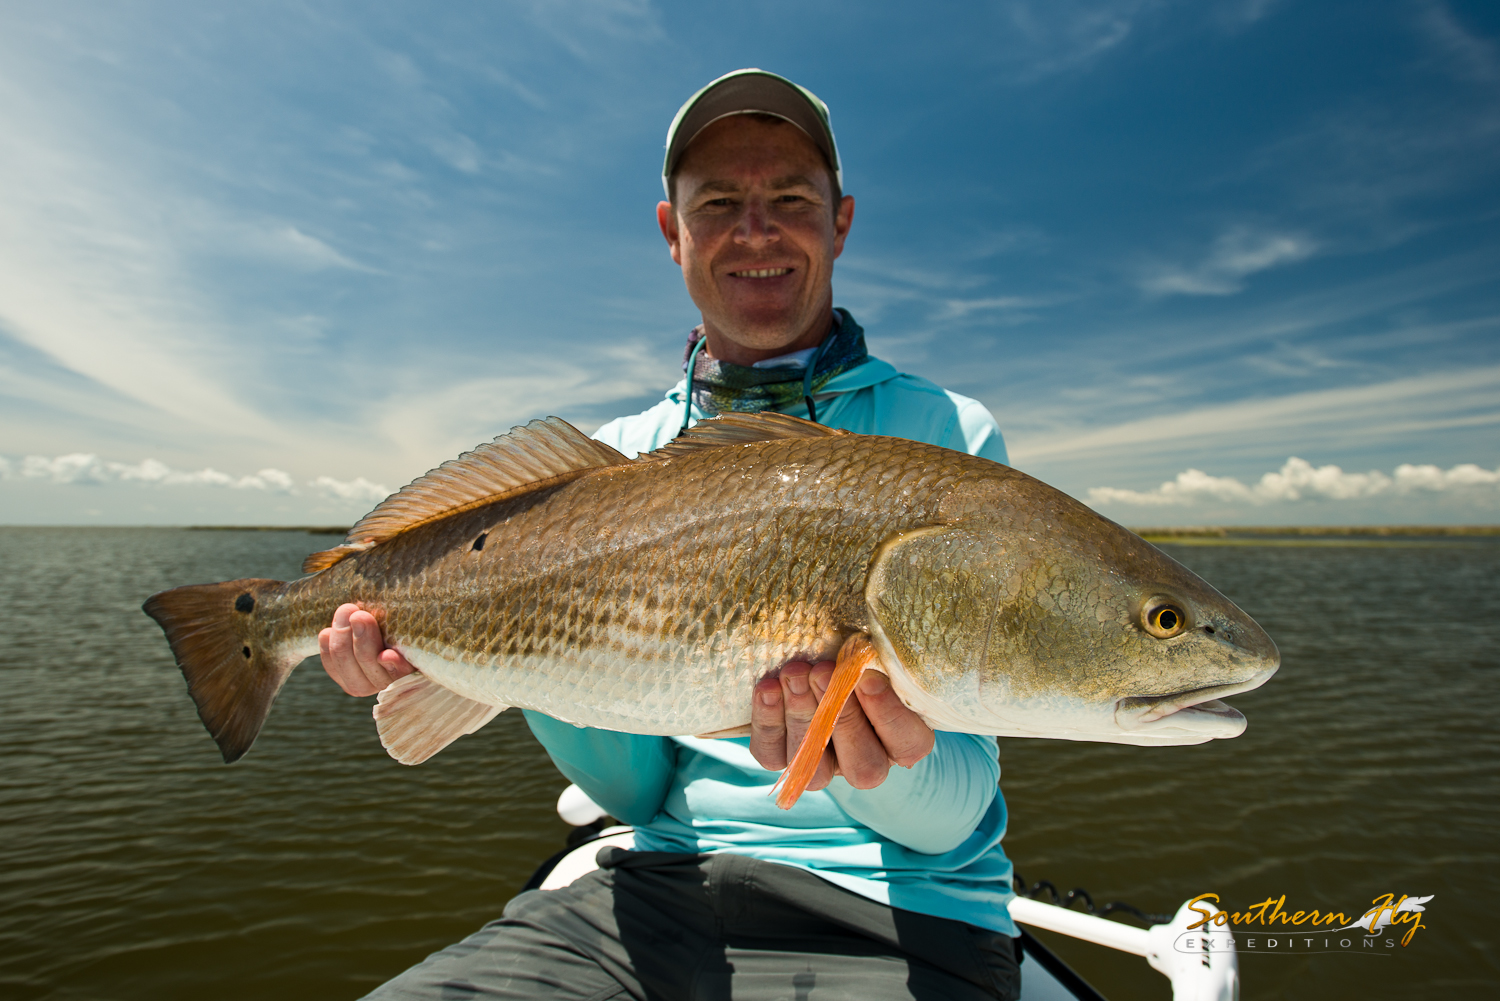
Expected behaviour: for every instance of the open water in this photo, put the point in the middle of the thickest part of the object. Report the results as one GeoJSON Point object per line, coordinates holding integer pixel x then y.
{"type": "Point", "coordinates": [134, 865]}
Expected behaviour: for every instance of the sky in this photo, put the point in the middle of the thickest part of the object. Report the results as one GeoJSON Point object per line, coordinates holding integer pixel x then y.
{"type": "Point", "coordinates": [1207, 263]}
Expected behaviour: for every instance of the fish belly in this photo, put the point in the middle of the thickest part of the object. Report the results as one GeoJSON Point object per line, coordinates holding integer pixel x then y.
{"type": "Point", "coordinates": [676, 693]}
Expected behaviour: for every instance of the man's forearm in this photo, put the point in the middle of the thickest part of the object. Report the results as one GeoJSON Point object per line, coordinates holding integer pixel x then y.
{"type": "Point", "coordinates": [935, 805]}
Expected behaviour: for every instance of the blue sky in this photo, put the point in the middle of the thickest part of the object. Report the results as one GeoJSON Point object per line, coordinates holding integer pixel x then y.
{"type": "Point", "coordinates": [260, 262]}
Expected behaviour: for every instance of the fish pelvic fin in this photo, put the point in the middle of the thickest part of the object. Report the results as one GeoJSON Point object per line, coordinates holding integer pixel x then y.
{"type": "Point", "coordinates": [741, 429]}
{"type": "Point", "coordinates": [233, 672]}
{"type": "Point", "coordinates": [543, 453]}
{"type": "Point", "coordinates": [417, 717]}
{"type": "Point", "coordinates": [855, 657]}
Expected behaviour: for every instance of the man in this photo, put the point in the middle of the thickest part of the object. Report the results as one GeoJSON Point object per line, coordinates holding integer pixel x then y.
{"type": "Point", "coordinates": [881, 882]}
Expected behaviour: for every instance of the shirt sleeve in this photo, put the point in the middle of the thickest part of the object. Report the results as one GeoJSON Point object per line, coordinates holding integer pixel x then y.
{"type": "Point", "coordinates": [981, 435]}
{"type": "Point", "coordinates": [626, 773]}
{"type": "Point", "coordinates": [936, 804]}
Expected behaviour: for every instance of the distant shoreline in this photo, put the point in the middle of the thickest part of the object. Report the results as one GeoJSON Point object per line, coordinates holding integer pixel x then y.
{"type": "Point", "coordinates": [309, 529]}
{"type": "Point", "coordinates": [1153, 533]}
{"type": "Point", "coordinates": [1205, 532]}
{"type": "Point", "coordinates": [1318, 536]}
{"type": "Point", "coordinates": [1335, 530]}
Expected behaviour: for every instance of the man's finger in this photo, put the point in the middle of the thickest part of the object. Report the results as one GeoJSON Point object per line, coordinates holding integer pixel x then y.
{"type": "Point", "coordinates": [336, 645]}
{"type": "Point", "coordinates": [906, 737]}
{"type": "Point", "coordinates": [858, 753]}
{"type": "Point", "coordinates": [395, 664]}
{"type": "Point", "coordinates": [366, 645]}
{"type": "Point", "coordinates": [817, 681]}
{"type": "Point", "coordinates": [768, 725]}
{"type": "Point", "coordinates": [801, 704]}
{"type": "Point", "coordinates": [380, 664]}
{"type": "Point", "coordinates": [355, 655]}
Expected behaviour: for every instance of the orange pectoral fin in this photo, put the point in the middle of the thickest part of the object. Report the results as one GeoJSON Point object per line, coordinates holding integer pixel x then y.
{"type": "Point", "coordinates": [855, 657]}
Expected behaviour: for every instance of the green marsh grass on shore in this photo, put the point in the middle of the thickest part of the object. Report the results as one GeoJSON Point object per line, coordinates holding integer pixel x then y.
{"type": "Point", "coordinates": [1316, 535]}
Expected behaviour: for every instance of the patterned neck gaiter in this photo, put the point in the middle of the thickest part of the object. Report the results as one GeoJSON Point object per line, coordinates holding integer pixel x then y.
{"type": "Point", "coordinates": [721, 387]}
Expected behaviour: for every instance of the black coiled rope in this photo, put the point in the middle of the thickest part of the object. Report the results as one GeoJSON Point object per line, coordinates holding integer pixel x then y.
{"type": "Point", "coordinates": [1066, 900]}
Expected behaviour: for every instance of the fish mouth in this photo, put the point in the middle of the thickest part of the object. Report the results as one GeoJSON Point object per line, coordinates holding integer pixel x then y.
{"type": "Point", "coordinates": [1196, 711]}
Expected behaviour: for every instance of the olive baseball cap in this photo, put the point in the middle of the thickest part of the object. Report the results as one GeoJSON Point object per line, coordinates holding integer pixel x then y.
{"type": "Point", "coordinates": [744, 92]}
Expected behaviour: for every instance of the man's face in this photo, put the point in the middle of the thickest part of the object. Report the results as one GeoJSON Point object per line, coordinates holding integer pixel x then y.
{"type": "Point", "coordinates": [756, 234]}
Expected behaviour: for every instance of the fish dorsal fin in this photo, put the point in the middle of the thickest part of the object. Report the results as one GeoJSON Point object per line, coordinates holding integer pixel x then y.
{"type": "Point", "coordinates": [524, 459]}
{"type": "Point", "coordinates": [741, 429]}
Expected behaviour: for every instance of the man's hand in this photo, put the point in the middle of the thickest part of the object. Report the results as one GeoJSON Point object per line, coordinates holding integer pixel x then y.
{"type": "Point", "coordinates": [874, 730]}
{"type": "Point", "coordinates": [355, 655]}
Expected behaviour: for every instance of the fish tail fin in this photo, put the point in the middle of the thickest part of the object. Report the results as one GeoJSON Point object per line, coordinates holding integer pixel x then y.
{"type": "Point", "coordinates": [854, 657]}
{"type": "Point", "coordinates": [233, 672]}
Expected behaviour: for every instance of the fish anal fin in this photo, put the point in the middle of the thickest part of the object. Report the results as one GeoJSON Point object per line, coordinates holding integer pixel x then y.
{"type": "Point", "coordinates": [528, 458]}
{"type": "Point", "coordinates": [855, 657]}
{"type": "Point", "coordinates": [740, 429]}
{"type": "Point", "coordinates": [417, 717]}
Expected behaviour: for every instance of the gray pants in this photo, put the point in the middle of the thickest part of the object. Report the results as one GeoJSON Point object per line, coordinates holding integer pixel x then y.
{"type": "Point", "coordinates": [661, 927]}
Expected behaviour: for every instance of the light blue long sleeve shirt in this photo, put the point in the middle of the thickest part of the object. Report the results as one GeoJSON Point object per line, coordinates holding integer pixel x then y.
{"type": "Point", "coordinates": [927, 839]}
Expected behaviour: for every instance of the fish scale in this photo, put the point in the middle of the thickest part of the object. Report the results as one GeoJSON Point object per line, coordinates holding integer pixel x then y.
{"type": "Point", "coordinates": [528, 614]}
{"type": "Point", "coordinates": [549, 572]}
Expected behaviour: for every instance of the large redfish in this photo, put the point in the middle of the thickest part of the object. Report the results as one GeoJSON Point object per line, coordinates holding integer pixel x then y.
{"type": "Point", "coordinates": [546, 570]}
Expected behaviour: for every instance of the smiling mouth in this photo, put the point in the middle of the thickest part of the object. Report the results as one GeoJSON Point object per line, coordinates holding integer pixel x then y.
{"type": "Point", "coordinates": [761, 273]}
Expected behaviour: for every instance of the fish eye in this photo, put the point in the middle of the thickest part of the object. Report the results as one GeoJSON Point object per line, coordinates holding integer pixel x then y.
{"type": "Point", "coordinates": [1163, 618]}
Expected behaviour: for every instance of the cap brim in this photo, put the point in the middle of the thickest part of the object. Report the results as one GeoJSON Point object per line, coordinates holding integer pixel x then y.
{"type": "Point", "coordinates": [749, 92]}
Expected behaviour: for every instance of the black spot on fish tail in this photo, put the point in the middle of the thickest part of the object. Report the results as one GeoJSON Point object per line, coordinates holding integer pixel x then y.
{"type": "Point", "coordinates": [479, 542]}
{"type": "Point", "coordinates": [245, 603]}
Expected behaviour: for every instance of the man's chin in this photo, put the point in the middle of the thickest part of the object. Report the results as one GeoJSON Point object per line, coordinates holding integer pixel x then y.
{"type": "Point", "coordinates": [765, 327]}
{"type": "Point", "coordinates": [765, 343]}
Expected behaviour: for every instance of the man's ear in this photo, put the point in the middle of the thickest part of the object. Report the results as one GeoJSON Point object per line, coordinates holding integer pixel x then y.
{"type": "Point", "coordinates": [666, 218]}
{"type": "Point", "coordinates": [842, 220]}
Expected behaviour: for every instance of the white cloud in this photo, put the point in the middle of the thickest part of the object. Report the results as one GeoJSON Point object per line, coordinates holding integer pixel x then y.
{"type": "Point", "coordinates": [1235, 256]}
{"type": "Point", "coordinates": [1465, 53]}
{"type": "Point", "coordinates": [954, 309]}
{"type": "Point", "coordinates": [1409, 477]}
{"type": "Point", "coordinates": [1299, 480]}
{"type": "Point", "coordinates": [81, 468]}
{"type": "Point", "coordinates": [357, 489]}
{"type": "Point", "coordinates": [1377, 412]}
{"type": "Point", "coordinates": [1058, 37]}
{"type": "Point", "coordinates": [302, 250]}
{"type": "Point", "coordinates": [420, 422]}
{"type": "Point", "coordinates": [457, 151]}
{"type": "Point", "coordinates": [92, 276]}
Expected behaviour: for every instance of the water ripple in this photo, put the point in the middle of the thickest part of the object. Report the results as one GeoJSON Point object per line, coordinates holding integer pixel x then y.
{"type": "Point", "coordinates": [134, 865]}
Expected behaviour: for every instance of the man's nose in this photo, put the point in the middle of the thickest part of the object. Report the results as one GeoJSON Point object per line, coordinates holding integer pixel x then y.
{"type": "Point", "coordinates": [755, 227]}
